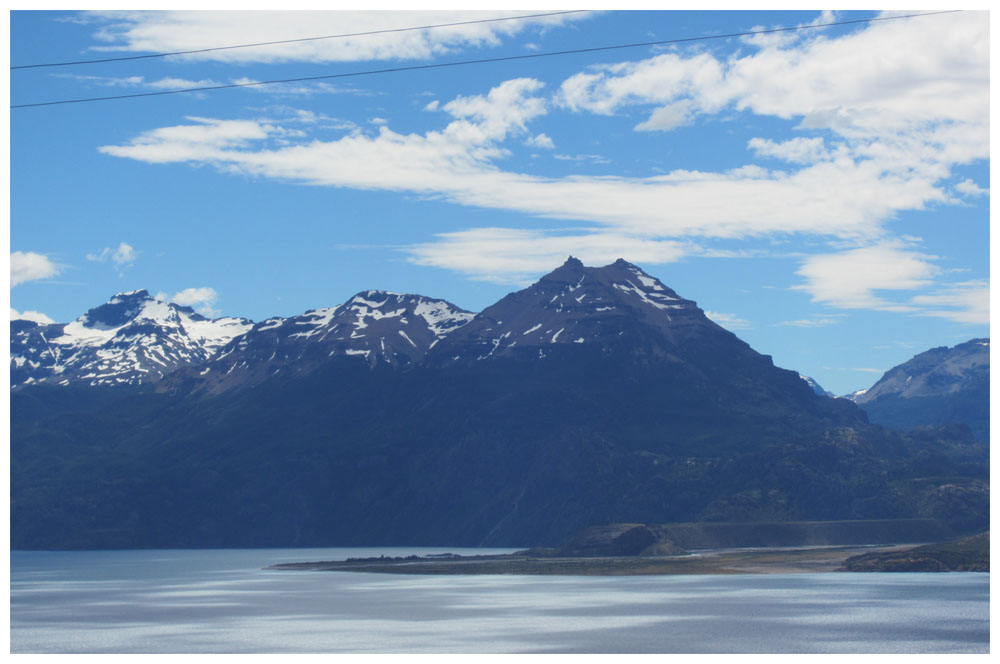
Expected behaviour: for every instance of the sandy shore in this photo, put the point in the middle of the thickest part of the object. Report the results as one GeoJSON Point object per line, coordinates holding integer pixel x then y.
{"type": "Point", "coordinates": [784, 560]}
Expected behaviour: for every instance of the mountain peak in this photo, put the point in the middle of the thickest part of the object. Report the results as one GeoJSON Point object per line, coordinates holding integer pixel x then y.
{"type": "Point", "coordinates": [601, 308]}
{"type": "Point", "coordinates": [140, 294]}
{"type": "Point", "coordinates": [130, 339]}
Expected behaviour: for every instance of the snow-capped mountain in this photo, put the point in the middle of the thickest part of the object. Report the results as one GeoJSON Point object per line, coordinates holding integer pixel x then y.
{"type": "Point", "coordinates": [596, 307]}
{"type": "Point", "coordinates": [595, 395]}
{"type": "Point", "coordinates": [376, 326]}
{"type": "Point", "coordinates": [133, 338]}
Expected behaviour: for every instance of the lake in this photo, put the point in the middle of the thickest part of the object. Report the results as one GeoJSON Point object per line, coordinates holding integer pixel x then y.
{"type": "Point", "coordinates": [222, 601]}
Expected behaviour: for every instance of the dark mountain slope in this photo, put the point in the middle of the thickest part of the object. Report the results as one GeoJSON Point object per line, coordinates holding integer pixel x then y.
{"type": "Point", "coordinates": [376, 326]}
{"type": "Point", "coordinates": [649, 419]}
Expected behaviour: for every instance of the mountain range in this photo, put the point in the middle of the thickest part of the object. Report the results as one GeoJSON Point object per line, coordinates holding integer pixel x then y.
{"type": "Point", "coordinates": [596, 395]}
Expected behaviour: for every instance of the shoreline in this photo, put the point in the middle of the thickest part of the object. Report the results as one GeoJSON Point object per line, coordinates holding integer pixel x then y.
{"type": "Point", "coordinates": [776, 560]}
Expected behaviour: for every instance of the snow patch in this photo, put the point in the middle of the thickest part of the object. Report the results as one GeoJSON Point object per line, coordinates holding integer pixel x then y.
{"type": "Point", "coordinates": [403, 334]}
{"type": "Point", "coordinates": [441, 318]}
{"type": "Point", "coordinates": [529, 331]}
{"type": "Point", "coordinates": [271, 324]}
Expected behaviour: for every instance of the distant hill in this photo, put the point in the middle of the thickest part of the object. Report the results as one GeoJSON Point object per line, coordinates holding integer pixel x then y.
{"type": "Point", "coordinates": [935, 388]}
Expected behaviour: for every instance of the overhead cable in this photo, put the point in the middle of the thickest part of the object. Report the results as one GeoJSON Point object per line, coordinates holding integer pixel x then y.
{"type": "Point", "coordinates": [508, 58]}
{"type": "Point", "coordinates": [292, 41]}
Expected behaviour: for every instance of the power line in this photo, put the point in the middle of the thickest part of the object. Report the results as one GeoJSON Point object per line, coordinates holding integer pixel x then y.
{"type": "Point", "coordinates": [291, 41]}
{"type": "Point", "coordinates": [477, 62]}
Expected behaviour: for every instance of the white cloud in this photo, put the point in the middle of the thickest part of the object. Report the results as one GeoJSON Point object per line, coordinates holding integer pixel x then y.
{"type": "Point", "coordinates": [171, 31]}
{"type": "Point", "coordinates": [965, 302]}
{"type": "Point", "coordinates": [205, 141]}
{"type": "Point", "coordinates": [297, 88]}
{"type": "Point", "coordinates": [507, 108]}
{"type": "Point", "coordinates": [856, 85]}
{"type": "Point", "coordinates": [797, 150]}
{"type": "Point", "coordinates": [728, 321]}
{"type": "Point", "coordinates": [35, 316]}
{"type": "Point", "coordinates": [669, 117]}
{"type": "Point", "coordinates": [970, 188]}
{"type": "Point", "coordinates": [849, 279]}
{"type": "Point", "coordinates": [455, 164]}
{"type": "Point", "coordinates": [592, 158]}
{"type": "Point", "coordinates": [667, 79]}
{"type": "Point", "coordinates": [201, 298]}
{"type": "Point", "coordinates": [514, 256]}
{"type": "Point", "coordinates": [901, 118]}
{"type": "Point", "coordinates": [890, 130]}
{"type": "Point", "coordinates": [172, 83]}
{"type": "Point", "coordinates": [29, 266]}
{"type": "Point", "coordinates": [167, 83]}
{"type": "Point", "coordinates": [821, 321]}
{"type": "Point", "coordinates": [123, 256]}
{"type": "Point", "coordinates": [540, 141]}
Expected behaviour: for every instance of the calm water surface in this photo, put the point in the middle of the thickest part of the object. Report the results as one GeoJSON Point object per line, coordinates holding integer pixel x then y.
{"type": "Point", "coordinates": [222, 601]}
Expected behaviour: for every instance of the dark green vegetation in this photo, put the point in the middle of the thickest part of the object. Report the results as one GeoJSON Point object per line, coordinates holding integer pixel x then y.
{"type": "Point", "coordinates": [347, 458]}
{"type": "Point", "coordinates": [969, 554]}
{"type": "Point", "coordinates": [658, 416]}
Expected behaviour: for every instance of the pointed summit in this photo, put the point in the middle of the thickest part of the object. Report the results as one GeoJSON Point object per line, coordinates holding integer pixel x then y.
{"type": "Point", "coordinates": [117, 311]}
{"type": "Point", "coordinates": [606, 308]}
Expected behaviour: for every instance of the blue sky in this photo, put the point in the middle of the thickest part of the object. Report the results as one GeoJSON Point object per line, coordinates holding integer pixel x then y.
{"type": "Point", "coordinates": [823, 193]}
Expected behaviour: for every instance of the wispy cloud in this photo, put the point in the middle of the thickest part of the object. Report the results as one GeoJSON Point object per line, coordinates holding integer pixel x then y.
{"type": "Point", "coordinates": [171, 31]}
{"type": "Point", "coordinates": [880, 135]}
{"type": "Point", "coordinates": [859, 279]}
{"type": "Point", "coordinates": [964, 302]}
{"type": "Point", "coordinates": [850, 279]}
{"type": "Point", "coordinates": [729, 321]}
{"type": "Point", "coordinates": [123, 256]}
{"type": "Point", "coordinates": [512, 256]}
{"type": "Point", "coordinates": [819, 321]}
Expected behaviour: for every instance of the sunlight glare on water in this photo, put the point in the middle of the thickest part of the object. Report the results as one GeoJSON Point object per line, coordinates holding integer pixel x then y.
{"type": "Point", "coordinates": [223, 601]}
